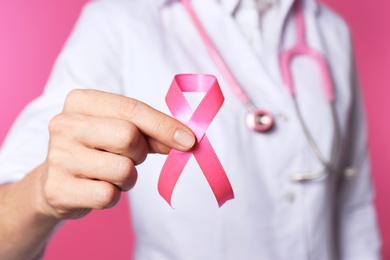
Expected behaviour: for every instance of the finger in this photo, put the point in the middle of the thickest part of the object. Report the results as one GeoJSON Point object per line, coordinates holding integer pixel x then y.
{"type": "Point", "coordinates": [157, 147]}
{"type": "Point", "coordinates": [72, 193]}
{"type": "Point", "coordinates": [104, 133]}
{"type": "Point", "coordinates": [99, 165]}
{"type": "Point", "coordinates": [150, 121]}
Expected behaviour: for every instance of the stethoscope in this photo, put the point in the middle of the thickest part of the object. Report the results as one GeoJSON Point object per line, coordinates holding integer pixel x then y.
{"type": "Point", "coordinates": [261, 120]}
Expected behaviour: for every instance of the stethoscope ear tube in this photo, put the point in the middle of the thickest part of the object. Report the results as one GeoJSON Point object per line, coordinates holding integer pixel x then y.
{"type": "Point", "coordinates": [328, 166]}
{"type": "Point", "coordinates": [347, 173]}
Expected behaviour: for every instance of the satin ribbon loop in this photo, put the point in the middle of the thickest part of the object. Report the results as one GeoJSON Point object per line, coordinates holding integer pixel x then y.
{"type": "Point", "coordinates": [198, 121]}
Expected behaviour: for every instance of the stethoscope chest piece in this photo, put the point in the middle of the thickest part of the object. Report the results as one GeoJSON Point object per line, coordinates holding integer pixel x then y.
{"type": "Point", "coordinates": [260, 121]}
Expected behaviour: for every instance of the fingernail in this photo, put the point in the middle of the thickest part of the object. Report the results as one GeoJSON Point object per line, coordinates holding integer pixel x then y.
{"type": "Point", "coordinates": [184, 138]}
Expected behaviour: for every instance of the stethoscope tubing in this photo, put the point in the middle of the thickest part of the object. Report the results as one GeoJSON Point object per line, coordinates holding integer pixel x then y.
{"type": "Point", "coordinates": [301, 48]}
{"type": "Point", "coordinates": [286, 56]}
{"type": "Point", "coordinates": [217, 58]}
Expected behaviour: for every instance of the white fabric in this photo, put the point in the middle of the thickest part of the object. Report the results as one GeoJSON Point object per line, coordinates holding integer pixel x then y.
{"type": "Point", "coordinates": [255, 18]}
{"type": "Point", "coordinates": [136, 47]}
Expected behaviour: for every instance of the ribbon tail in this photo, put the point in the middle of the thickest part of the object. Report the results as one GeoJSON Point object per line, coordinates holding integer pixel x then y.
{"type": "Point", "coordinates": [213, 171]}
{"type": "Point", "coordinates": [170, 173]}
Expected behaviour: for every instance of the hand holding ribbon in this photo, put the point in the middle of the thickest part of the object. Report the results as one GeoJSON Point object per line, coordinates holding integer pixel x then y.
{"type": "Point", "coordinates": [198, 121]}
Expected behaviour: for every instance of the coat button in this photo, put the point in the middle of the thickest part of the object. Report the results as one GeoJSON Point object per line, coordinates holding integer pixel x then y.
{"type": "Point", "coordinates": [282, 117]}
{"type": "Point", "coordinates": [289, 197]}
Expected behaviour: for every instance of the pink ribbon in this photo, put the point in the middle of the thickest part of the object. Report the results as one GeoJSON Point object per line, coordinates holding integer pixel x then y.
{"type": "Point", "coordinates": [198, 121]}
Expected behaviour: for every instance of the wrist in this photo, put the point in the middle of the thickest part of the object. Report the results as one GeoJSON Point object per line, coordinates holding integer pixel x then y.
{"type": "Point", "coordinates": [33, 188]}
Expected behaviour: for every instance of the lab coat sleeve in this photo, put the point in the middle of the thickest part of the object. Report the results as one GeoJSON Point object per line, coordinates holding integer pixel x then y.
{"type": "Point", "coordinates": [358, 231]}
{"type": "Point", "coordinates": [89, 59]}
{"type": "Point", "coordinates": [357, 224]}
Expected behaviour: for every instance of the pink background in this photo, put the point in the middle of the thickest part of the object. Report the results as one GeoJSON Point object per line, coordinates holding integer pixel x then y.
{"type": "Point", "coordinates": [33, 32]}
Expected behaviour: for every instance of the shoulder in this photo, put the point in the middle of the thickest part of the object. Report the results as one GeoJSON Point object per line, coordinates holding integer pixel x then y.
{"type": "Point", "coordinates": [115, 20]}
{"type": "Point", "coordinates": [333, 24]}
{"type": "Point", "coordinates": [121, 18]}
{"type": "Point", "coordinates": [122, 9]}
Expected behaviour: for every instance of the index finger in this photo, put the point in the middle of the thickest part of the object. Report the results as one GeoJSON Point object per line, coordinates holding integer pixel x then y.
{"type": "Point", "coordinates": [151, 122]}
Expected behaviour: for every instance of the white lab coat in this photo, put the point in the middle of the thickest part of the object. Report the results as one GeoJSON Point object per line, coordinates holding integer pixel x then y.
{"type": "Point", "coordinates": [136, 47]}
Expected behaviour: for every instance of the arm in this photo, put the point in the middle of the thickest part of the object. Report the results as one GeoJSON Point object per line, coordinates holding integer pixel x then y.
{"type": "Point", "coordinates": [358, 230]}
{"type": "Point", "coordinates": [95, 143]}
{"type": "Point", "coordinates": [359, 236]}
{"type": "Point", "coordinates": [23, 230]}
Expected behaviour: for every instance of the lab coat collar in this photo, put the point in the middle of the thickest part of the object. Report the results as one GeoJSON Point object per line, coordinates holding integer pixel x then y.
{"type": "Point", "coordinates": [308, 5]}
{"type": "Point", "coordinates": [230, 5]}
